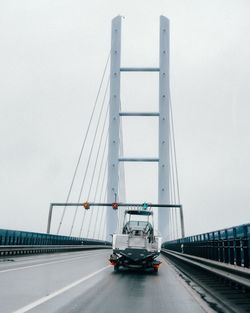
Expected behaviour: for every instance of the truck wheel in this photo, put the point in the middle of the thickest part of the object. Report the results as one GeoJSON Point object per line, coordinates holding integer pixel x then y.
{"type": "Point", "coordinates": [156, 270]}
{"type": "Point", "coordinates": [116, 268]}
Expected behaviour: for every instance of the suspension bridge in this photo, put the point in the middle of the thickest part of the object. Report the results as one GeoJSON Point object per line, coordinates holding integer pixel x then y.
{"type": "Point", "coordinates": [201, 273]}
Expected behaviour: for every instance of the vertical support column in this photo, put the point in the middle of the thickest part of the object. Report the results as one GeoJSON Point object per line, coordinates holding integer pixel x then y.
{"type": "Point", "coordinates": [182, 223]}
{"type": "Point", "coordinates": [49, 218]}
{"type": "Point", "coordinates": [164, 129]}
{"type": "Point", "coordinates": [114, 124]}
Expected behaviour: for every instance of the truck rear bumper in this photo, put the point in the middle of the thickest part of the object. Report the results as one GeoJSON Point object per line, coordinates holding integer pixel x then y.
{"type": "Point", "coordinates": [132, 261]}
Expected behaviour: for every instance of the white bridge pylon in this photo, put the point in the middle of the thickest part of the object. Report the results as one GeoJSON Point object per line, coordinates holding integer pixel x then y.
{"type": "Point", "coordinates": [115, 141]}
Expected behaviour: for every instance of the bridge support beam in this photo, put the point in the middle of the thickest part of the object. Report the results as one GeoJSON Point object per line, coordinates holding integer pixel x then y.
{"type": "Point", "coordinates": [114, 124]}
{"type": "Point", "coordinates": [164, 129]}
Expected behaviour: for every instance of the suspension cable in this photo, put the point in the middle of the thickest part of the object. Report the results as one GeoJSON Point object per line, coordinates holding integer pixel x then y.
{"type": "Point", "coordinates": [80, 233]}
{"type": "Point", "coordinates": [92, 178]}
{"type": "Point", "coordinates": [171, 218]}
{"type": "Point", "coordinates": [90, 153]}
{"type": "Point", "coordinates": [84, 142]}
{"type": "Point", "coordinates": [174, 150]}
{"type": "Point", "coordinates": [104, 224]}
{"type": "Point", "coordinates": [101, 195]}
{"type": "Point", "coordinates": [105, 169]}
{"type": "Point", "coordinates": [174, 159]}
{"type": "Point", "coordinates": [172, 180]}
{"type": "Point", "coordinates": [173, 193]}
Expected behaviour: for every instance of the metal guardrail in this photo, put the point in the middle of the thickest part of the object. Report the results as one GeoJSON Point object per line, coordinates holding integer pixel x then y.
{"type": "Point", "coordinates": [15, 237]}
{"type": "Point", "coordinates": [230, 272]}
{"type": "Point", "coordinates": [224, 287]}
{"type": "Point", "coordinates": [36, 249]}
{"type": "Point", "coordinates": [13, 242]}
{"type": "Point", "coordinates": [231, 245]}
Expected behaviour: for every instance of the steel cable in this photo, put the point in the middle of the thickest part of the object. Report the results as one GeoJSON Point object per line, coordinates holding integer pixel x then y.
{"type": "Point", "coordinates": [172, 196]}
{"type": "Point", "coordinates": [101, 195]}
{"type": "Point", "coordinates": [173, 180]}
{"type": "Point", "coordinates": [174, 158]}
{"type": "Point", "coordinates": [90, 153]}
{"type": "Point", "coordinates": [92, 178]}
{"type": "Point", "coordinates": [174, 150]}
{"type": "Point", "coordinates": [105, 169]}
{"type": "Point", "coordinates": [83, 144]}
{"type": "Point", "coordinates": [105, 221]}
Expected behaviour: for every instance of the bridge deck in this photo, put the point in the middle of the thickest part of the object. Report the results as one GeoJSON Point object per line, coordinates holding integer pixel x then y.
{"type": "Point", "coordinates": [84, 282]}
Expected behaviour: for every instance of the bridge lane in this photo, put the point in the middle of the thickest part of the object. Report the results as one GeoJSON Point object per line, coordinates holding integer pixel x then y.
{"type": "Point", "coordinates": [104, 292]}
{"type": "Point", "coordinates": [13, 263]}
{"type": "Point", "coordinates": [24, 281]}
{"type": "Point", "coordinates": [136, 291]}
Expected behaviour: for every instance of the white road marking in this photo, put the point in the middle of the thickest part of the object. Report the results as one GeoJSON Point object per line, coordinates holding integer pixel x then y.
{"type": "Point", "coordinates": [23, 258]}
{"type": "Point", "coordinates": [48, 257]}
{"type": "Point", "coordinates": [47, 263]}
{"type": "Point", "coordinates": [58, 292]}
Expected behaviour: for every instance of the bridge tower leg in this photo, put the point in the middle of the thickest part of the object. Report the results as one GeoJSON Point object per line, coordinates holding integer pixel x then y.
{"type": "Point", "coordinates": [164, 128]}
{"type": "Point", "coordinates": [115, 142]}
{"type": "Point", "coordinates": [114, 124]}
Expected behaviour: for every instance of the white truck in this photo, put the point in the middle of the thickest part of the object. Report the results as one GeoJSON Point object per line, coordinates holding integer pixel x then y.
{"type": "Point", "coordinates": [136, 246]}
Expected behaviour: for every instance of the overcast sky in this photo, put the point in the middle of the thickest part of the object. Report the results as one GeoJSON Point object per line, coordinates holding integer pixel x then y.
{"type": "Point", "coordinates": [52, 54]}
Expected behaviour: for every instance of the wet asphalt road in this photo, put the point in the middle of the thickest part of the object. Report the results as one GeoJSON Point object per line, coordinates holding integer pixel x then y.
{"type": "Point", "coordinates": [83, 282]}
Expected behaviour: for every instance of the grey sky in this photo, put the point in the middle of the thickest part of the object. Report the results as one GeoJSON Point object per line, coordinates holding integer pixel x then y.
{"type": "Point", "coordinates": [52, 54]}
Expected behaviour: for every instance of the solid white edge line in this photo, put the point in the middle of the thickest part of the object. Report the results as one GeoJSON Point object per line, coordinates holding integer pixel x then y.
{"type": "Point", "coordinates": [42, 257]}
{"type": "Point", "coordinates": [58, 292]}
{"type": "Point", "coordinates": [46, 263]}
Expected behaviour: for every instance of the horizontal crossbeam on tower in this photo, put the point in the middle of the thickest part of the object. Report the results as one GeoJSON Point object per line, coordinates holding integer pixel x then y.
{"type": "Point", "coordinates": [139, 114]}
{"type": "Point", "coordinates": [139, 69]}
{"type": "Point", "coordinates": [138, 159]}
